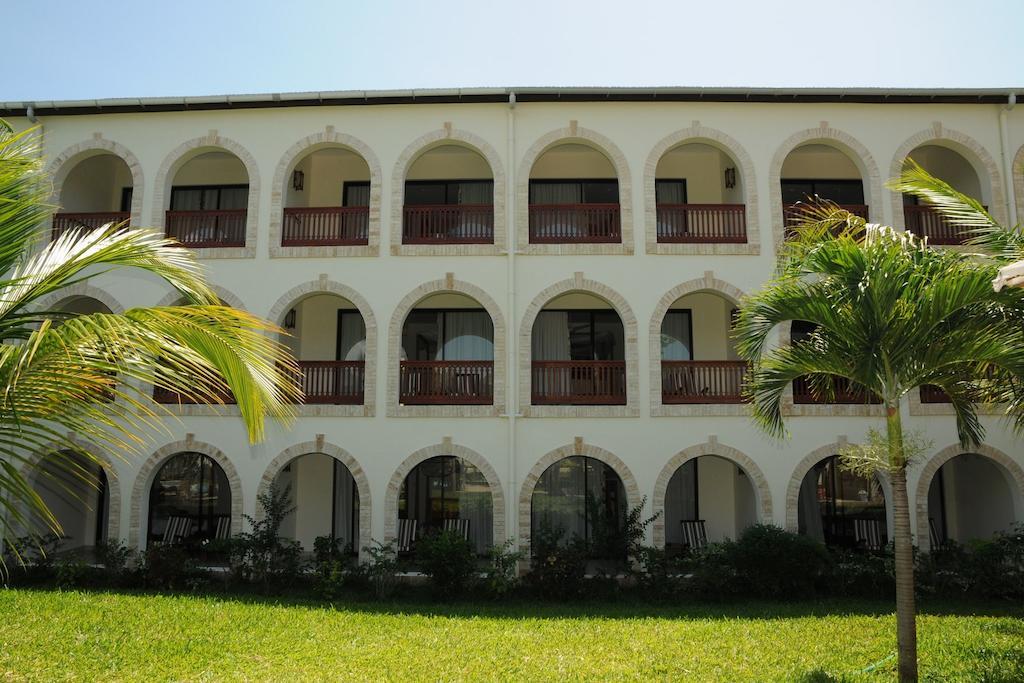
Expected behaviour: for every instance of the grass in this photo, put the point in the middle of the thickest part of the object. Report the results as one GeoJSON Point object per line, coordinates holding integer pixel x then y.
{"type": "Point", "coordinates": [110, 636]}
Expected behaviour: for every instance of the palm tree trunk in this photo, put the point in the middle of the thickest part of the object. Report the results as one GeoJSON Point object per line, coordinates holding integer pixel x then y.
{"type": "Point", "coordinates": [906, 624]}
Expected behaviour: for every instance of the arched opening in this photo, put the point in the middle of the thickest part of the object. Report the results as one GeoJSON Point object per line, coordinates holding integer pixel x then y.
{"type": "Point", "coordinates": [446, 493]}
{"type": "Point", "coordinates": [840, 508]}
{"type": "Point", "coordinates": [327, 199]}
{"type": "Point", "coordinates": [579, 499]}
{"type": "Point", "coordinates": [449, 198]}
{"type": "Point", "coordinates": [189, 503]}
{"type": "Point", "coordinates": [76, 492]}
{"type": "Point", "coordinates": [708, 499]}
{"type": "Point", "coordinates": [447, 352]}
{"type": "Point", "coordinates": [327, 334]}
{"type": "Point", "coordinates": [699, 195]}
{"type": "Point", "coordinates": [578, 352]}
{"type": "Point", "coordinates": [574, 196]}
{"type": "Point", "coordinates": [815, 170]}
{"type": "Point", "coordinates": [96, 191]}
{"type": "Point", "coordinates": [209, 201]}
{"type": "Point", "coordinates": [699, 363]}
{"type": "Point", "coordinates": [970, 498]}
{"type": "Point", "coordinates": [952, 167]}
{"type": "Point", "coordinates": [326, 501]}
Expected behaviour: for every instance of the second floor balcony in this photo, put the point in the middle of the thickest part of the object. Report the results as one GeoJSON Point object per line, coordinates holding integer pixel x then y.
{"type": "Point", "coordinates": [702, 223]}
{"type": "Point", "coordinates": [333, 382]}
{"type": "Point", "coordinates": [578, 382]}
{"type": "Point", "coordinates": [207, 229]}
{"type": "Point", "coordinates": [446, 382]}
{"type": "Point", "coordinates": [318, 226]}
{"type": "Point", "coordinates": [926, 222]}
{"type": "Point", "coordinates": [574, 223]}
{"type": "Point", "coordinates": [448, 224]}
{"type": "Point", "coordinates": [708, 381]}
{"type": "Point", "coordinates": [63, 222]}
{"type": "Point", "coordinates": [843, 393]}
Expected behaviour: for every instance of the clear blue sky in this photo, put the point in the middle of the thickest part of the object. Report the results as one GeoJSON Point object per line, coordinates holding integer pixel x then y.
{"type": "Point", "coordinates": [84, 49]}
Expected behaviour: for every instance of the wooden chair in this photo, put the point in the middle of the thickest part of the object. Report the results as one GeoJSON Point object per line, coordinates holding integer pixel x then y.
{"type": "Point", "coordinates": [222, 531]}
{"type": "Point", "coordinates": [460, 526]}
{"type": "Point", "coordinates": [870, 532]}
{"type": "Point", "coordinates": [933, 534]}
{"type": "Point", "coordinates": [695, 534]}
{"type": "Point", "coordinates": [177, 529]}
{"type": "Point", "coordinates": [406, 534]}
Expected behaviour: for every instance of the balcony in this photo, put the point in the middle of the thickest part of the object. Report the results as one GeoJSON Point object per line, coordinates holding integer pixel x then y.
{"type": "Point", "coordinates": [207, 229]}
{"type": "Point", "coordinates": [446, 382]}
{"type": "Point", "coordinates": [325, 226]}
{"type": "Point", "coordinates": [62, 222]}
{"type": "Point", "coordinates": [574, 223]}
{"type": "Point", "coordinates": [335, 382]}
{"type": "Point", "coordinates": [708, 381]}
{"type": "Point", "coordinates": [166, 397]}
{"type": "Point", "coordinates": [579, 382]}
{"type": "Point", "coordinates": [844, 394]}
{"type": "Point", "coordinates": [702, 223]}
{"type": "Point", "coordinates": [925, 221]}
{"type": "Point", "coordinates": [448, 224]}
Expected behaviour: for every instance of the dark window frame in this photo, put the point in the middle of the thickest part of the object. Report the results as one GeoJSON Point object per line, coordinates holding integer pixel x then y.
{"type": "Point", "coordinates": [858, 182]}
{"type": "Point", "coordinates": [203, 458]}
{"type": "Point", "coordinates": [126, 198]}
{"type": "Point", "coordinates": [204, 188]}
{"type": "Point", "coordinates": [346, 184]}
{"type": "Point", "coordinates": [593, 334]}
{"type": "Point", "coordinates": [681, 181]}
{"type": "Point", "coordinates": [580, 181]}
{"type": "Point", "coordinates": [337, 331]}
{"type": "Point", "coordinates": [449, 184]}
{"type": "Point", "coordinates": [441, 331]}
{"type": "Point", "coordinates": [689, 331]}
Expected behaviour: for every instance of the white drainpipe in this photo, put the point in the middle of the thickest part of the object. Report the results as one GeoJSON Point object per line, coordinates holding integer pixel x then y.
{"type": "Point", "coordinates": [1004, 143]}
{"type": "Point", "coordinates": [511, 329]}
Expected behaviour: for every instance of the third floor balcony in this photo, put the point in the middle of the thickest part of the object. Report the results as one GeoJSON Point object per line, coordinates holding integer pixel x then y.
{"type": "Point", "coordinates": [449, 198]}
{"type": "Point", "coordinates": [574, 197]}
{"type": "Point", "coordinates": [700, 196]}
{"type": "Point", "coordinates": [95, 191]}
{"type": "Point", "coordinates": [327, 199]}
{"type": "Point", "coordinates": [209, 201]}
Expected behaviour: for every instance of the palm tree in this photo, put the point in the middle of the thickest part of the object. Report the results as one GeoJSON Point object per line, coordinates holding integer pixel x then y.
{"type": "Point", "coordinates": [890, 315]}
{"type": "Point", "coordinates": [89, 376]}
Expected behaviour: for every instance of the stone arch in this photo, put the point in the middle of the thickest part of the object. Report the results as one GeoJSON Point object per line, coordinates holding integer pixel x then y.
{"type": "Point", "coordinates": [179, 156]}
{"type": "Point", "coordinates": [629, 325]}
{"type": "Point", "coordinates": [932, 466]}
{"type": "Point", "coordinates": [339, 454]}
{"type": "Point", "coordinates": [1018, 181]}
{"type": "Point", "coordinates": [446, 447]}
{"type": "Point", "coordinates": [699, 134]}
{"type": "Point", "coordinates": [225, 295]}
{"type": "Point", "coordinates": [578, 447]}
{"type": "Point", "coordinates": [310, 143]}
{"type": "Point", "coordinates": [840, 140]}
{"type": "Point", "coordinates": [101, 458]}
{"type": "Point", "coordinates": [81, 289]}
{"type": "Point", "coordinates": [574, 133]}
{"type": "Point", "coordinates": [710, 447]}
{"type": "Point", "coordinates": [61, 165]}
{"type": "Point", "coordinates": [708, 283]}
{"type": "Point", "coordinates": [972, 150]}
{"type": "Point", "coordinates": [446, 284]}
{"type": "Point", "coordinates": [139, 512]}
{"type": "Point", "coordinates": [424, 143]}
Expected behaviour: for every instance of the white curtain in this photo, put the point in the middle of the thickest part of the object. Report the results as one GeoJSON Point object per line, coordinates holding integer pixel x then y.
{"type": "Point", "coordinates": [468, 336]}
{"type": "Point", "coordinates": [559, 498]}
{"type": "Point", "coordinates": [476, 505]}
{"type": "Point", "coordinates": [352, 337]}
{"type": "Point", "coordinates": [551, 336]}
{"type": "Point", "coordinates": [810, 511]}
{"type": "Point", "coordinates": [476, 193]}
{"type": "Point", "coordinates": [557, 193]}
{"type": "Point", "coordinates": [675, 336]}
{"type": "Point", "coordinates": [680, 502]}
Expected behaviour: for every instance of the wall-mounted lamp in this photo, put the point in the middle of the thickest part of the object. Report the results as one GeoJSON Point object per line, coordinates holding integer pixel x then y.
{"type": "Point", "coordinates": [298, 178]}
{"type": "Point", "coordinates": [289, 320]}
{"type": "Point", "coordinates": [730, 177]}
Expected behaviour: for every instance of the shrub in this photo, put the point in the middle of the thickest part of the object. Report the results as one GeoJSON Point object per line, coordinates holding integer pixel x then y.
{"type": "Point", "coordinates": [996, 567]}
{"type": "Point", "coordinates": [558, 568]}
{"type": "Point", "coordinates": [448, 559]}
{"type": "Point", "coordinates": [863, 574]}
{"type": "Point", "coordinates": [658, 574]}
{"type": "Point", "coordinates": [501, 576]}
{"type": "Point", "coordinates": [167, 567]}
{"type": "Point", "coordinates": [773, 563]}
{"type": "Point", "coordinates": [614, 539]}
{"type": "Point", "coordinates": [261, 555]}
{"type": "Point", "coordinates": [72, 572]}
{"type": "Point", "coordinates": [379, 570]}
{"type": "Point", "coordinates": [115, 557]}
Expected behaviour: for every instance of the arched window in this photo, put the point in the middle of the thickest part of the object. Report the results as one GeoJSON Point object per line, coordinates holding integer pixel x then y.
{"type": "Point", "coordinates": [841, 508]}
{"type": "Point", "coordinates": [326, 501]}
{"type": "Point", "coordinates": [75, 490]}
{"type": "Point", "coordinates": [447, 493]}
{"type": "Point", "coordinates": [970, 498]}
{"type": "Point", "coordinates": [190, 501]}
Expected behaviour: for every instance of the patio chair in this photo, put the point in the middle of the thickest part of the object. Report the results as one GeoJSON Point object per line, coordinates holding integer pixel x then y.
{"type": "Point", "coordinates": [406, 534]}
{"type": "Point", "coordinates": [695, 534]}
{"type": "Point", "coordinates": [933, 534]}
{"type": "Point", "coordinates": [460, 526]}
{"type": "Point", "coordinates": [870, 532]}
{"type": "Point", "coordinates": [177, 529]}
{"type": "Point", "coordinates": [222, 531]}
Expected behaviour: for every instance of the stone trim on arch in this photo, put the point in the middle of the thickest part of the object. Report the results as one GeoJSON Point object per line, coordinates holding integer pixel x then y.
{"type": "Point", "coordinates": [698, 134]}
{"type": "Point", "coordinates": [844, 142]}
{"type": "Point", "coordinates": [446, 284]}
{"type": "Point", "coordinates": [320, 446]}
{"type": "Point", "coordinates": [629, 326]}
{"type": "Point", "coordinates": [178, 157]}
{"type": "Point", "coordinates": [578, 447]}
{"type": "Point", "coordinates": [328, 138]}
{"type": "Point", "coordinates": [80, 289]}
{"type": "Point", "coordinates": [710, 284]}
{"type": "Point", "coordinates": [967, 147]}
{"type": "Point", "coordinates": [227, 296]}
{"type": "Point", "coordinates": [924, 481]}
{"type": "Point", "coordinates": [710, 447]}
{"type": "Point", "coordinates": [424, 143]}
{"type": "Point", "coordinates": [144, 481]}
{"type": "Point", "coordinates": [322, 285]}
{"type": "Point", "coordinates": [446, 447]}
{"type": "Point", "coordinates": [61, 165]}
{"type": "Point", "coordinates": [574, 133]}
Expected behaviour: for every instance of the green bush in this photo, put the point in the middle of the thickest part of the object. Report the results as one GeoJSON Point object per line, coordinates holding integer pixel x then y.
{"type": "Point", "coordinates": [558, 568]}
{"type": "Point", "coordinates": [863, 574]}
{"type": "Point", "coordinates": [379, 570]}
{"type": "Point", "coordinates": [261, 555]}
{"type": "Point", "coordinates": [448, 559]}
{"type": "Point", "coordinates": [658, 574]}
{"type": "Point", "coordinates": [501, 577]}
{"type": "Point", "coordinates": [167, 567]}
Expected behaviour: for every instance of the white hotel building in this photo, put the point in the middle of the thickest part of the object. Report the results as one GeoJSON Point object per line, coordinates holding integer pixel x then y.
{"type": "Point", "coordinates": [507, 301]}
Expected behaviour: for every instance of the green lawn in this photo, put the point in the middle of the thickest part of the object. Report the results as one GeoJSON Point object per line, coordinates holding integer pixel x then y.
{"type": "Point", "coordinates": [109, 636]}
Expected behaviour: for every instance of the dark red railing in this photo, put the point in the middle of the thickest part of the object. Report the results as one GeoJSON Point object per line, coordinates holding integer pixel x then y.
{"type": "Point", "coordinates": [446, 382]}
{"type": "Point", "coordinates": [702, 223]}
{"type": "Point", "coordinates": [570, 223]}
{"type": "Point", "coordinates": [448, 224]}
{"type": "Point", "coordinates": [164, 396]}
{"type": "Point", "coordinates": [933, 394]}
{"type": "Point", "coordinates": [325, 226]}
{"type": "Point", "coordinates": [339, 382]}
{"type": "Point", "coordinates": [926, 221]}
{"type": "Point", "coordinates": [579, 382]}
{"type": "Point", "coordinates": [702, 381]}
{"type": "Point", "coordinates": [207, 229]}
{"type": "Point", "coordinates": [62, 222]}
{"type": "Point", "coordinates": [844, 393]}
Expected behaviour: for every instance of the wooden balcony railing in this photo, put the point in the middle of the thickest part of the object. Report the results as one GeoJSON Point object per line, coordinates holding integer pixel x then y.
{"type": "Point", "coordinates": [333, 382]}
{"type": "Point", "coordinates": [793, 213]}
{"type": "Point", "coordinates": [702, 223]}
{"type": "Point", "coordinates": [166, 397]}
{"type": "Point", "coordinates": [844, 393]}
{"type": "Point", "coordinates": [925, 221]}
{"type": "Point", "coordinates": [446, 382]}
{"type": "Point", "coordinates": [933, 394]}
{"type": "Point", "coordinates": [574, 223]}
{"type": "Point", "coordinates": [448, 224]}
{"type": "Point", "coordinates": [579, 382]}
{"type": "Point", "coordinates": [702, 381]}
{"type": "Point", "coordinates": [207, 229]}
{"type": "Point", "coordinates": [325, 226]}
{"type": "Point", "coordinates": [62, 222]}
